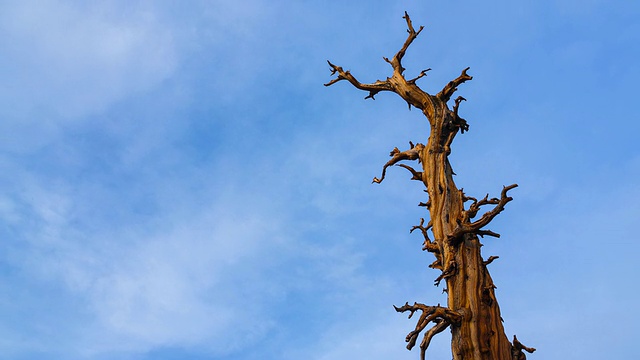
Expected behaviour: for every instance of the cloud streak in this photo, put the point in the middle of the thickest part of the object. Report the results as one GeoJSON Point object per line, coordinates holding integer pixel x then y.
{"type": "Point", "coordinates": [63, 62]}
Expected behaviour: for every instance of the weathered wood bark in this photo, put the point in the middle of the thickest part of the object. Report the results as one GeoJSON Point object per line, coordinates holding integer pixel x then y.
{"type": "Point", "coordinates": [472, 311]}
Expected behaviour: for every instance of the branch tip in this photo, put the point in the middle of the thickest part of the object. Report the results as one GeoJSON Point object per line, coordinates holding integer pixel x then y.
{"type": "Point", "coordinates": [446, 93]}
{"type": "Point", "coordinates": [490, 259]}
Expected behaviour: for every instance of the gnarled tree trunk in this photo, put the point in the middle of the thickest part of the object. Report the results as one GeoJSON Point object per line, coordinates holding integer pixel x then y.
{"type": "Point", "coordinates": [472, 312]}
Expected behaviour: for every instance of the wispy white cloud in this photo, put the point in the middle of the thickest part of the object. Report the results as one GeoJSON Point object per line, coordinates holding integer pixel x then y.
{"type": "Point", "coordinates": [199, 273]}
{"type": "Point", "coordinates": [187, 281]}
{"type": "Point", "coordinates": [185, 287]}
{"type": "Point", "coordinates": [64, 61]}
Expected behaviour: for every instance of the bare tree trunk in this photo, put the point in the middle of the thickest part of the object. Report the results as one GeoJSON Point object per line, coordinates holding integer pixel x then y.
{"type": "Point", "coordinates": [472, 312]}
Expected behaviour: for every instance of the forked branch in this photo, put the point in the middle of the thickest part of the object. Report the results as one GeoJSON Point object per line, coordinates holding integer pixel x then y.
{"type": "Point", "coordinates": [476, 227]}
{"type": "Point", "coordinates": [429, 334]}
{"type": "Point", "coordinates": [397, 58]}
{"type": "Point", "coordinates": [428, 245]}
{"type": "Point", "coordinates": [408, 90]}
{"type": "Point", "coordinates": [442, 317]}
{"type": "Point", "coordinates": [396, 155]}
{"type": "Point", "coordinates": [476, 204]}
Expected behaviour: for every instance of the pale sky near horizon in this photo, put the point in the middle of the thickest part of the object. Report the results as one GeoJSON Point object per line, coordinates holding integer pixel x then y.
{"type": "Point", "coordinates": [177, 183]}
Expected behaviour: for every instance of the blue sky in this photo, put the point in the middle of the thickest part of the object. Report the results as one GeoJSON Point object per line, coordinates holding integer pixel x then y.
{"type": "Point", "coordinates": [178, 184]}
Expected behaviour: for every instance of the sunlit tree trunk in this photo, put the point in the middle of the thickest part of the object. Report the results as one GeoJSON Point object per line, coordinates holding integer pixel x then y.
{"type": "Point", "coordinates": [472, 312]}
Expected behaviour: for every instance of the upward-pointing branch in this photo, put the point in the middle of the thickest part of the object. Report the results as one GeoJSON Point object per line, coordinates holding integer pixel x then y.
{"type": "Point", "coordinates": [452, 86]}
{"type": "Point", "coordinates": [408, 90]}
{"type": "Point", "coordinates": [397, 58]}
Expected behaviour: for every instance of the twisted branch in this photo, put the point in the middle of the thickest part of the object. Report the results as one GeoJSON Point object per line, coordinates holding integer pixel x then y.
{"type": "Point", "coordinates": [415, 175]}
{"type": "Point", "coordinates": [428, 245]}
{"type": "Point", "coordinates": [429, 334]}
{"type": "Point", "coordinates": [475, 227]}
{"type": "Point", "coordinates": [448, 272]}
{"type": "Point", "coordinates": [373, 89]}
{"type": "Point", "coordinates": [396, 155]}
{"type": "Point", "coordinates": [475, 206]}
{"type": "Point", "coordinates": [442, 317]}
{"type": "Point", "coordinates": [408, 90]}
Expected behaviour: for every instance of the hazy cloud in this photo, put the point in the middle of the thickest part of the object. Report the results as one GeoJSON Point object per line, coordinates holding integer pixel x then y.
{"type": "Point", "coordinates": [63, 61]}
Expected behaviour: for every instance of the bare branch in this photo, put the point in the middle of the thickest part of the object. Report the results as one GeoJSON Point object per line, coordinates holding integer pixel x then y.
{"type": "Point", "coordinates": [397, 58]}
{"type": "Point", "coordinates": [416, 175]}
{"type": "Point", "coordinates": [452, 86]}
{"type": "Point", "coordinates": [422, 74]}
{"type": "Point", "coordinates": [475, 206]}
{"type": "Point", "coordinates": [429, 334]}
{"type": "Point", "coordinates": [373, 89]}
{"type": "Point", "coordinates": [428, 245]}
{"type": "Point", "coordinates": [448, 272]}
{"type": "Point", "coordinates": [441, 316]}
{"type": "Point", "coordinates": [436, 264]}
{"type": "Point", "coordinates": [466, 198]}
{"type": "Point", "coordinates": [488, 216]}
{"type": "Point", "coordinates": [482, 233]}
{"type": "Point", "coordinates": [458, 100]}
{"type": "Point", "coordinates": [396, 155]}
{"type": "Point", "coordinates": [490, 259]}
{"type": "Point", "coordinates": [516, 350]}
{"type": "Point", "coordinates": [458, 121]}
{"type": "Point", "coordinates": [476, 226]}
{"type": "Point", "coordinates": [407, 90]}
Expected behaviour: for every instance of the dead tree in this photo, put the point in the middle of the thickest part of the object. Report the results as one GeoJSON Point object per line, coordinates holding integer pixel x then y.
{"type": "Point", "coordinates": [472, 312]}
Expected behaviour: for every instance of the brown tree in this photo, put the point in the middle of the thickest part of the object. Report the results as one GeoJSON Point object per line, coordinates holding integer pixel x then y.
{"type": "Point", "coordinates": [472, 312]}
